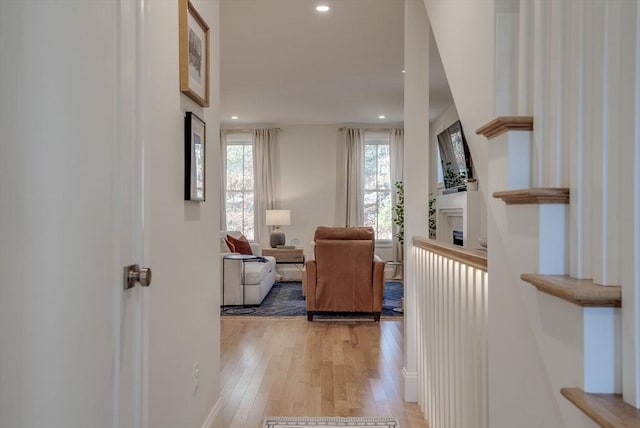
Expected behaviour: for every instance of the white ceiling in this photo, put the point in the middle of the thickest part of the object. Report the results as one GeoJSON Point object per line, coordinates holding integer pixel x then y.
{"type": "Point", "coordinates": [283, 63]}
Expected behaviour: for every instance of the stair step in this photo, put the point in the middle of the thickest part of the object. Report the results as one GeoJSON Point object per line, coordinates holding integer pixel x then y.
{"type": "Point", "coordinates": [502, 124]}
{"type": "Point", "coordinates": [607, 410]}
{"type": "Point", "coordinates": [534, 196]}
{"type": "Point", "coordinates": [582, 292]}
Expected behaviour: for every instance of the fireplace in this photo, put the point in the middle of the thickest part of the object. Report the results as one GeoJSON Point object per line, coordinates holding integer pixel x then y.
{"type": "Point", "coordinates": [458, 218]}
{"type": "Point", "coordinates": [458, 238]}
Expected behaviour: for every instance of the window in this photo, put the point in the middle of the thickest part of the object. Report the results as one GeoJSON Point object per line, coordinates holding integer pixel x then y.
{"type": "Point", "coordinates": [377, 185]}
{"type": "Point", "coordinates": [239, 192]}
{"type": "Point", "coordinates": [439, 167]}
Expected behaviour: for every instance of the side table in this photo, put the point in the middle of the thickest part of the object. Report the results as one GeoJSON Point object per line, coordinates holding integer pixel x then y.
{"type": "Point", "coordinates": [288, 256]}
{"type": "Point", "coordinates": [285, 255]}
{"type": "Point", "coordinates": [237, 309]}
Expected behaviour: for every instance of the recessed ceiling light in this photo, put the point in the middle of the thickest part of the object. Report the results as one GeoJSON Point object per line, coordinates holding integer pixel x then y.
{"type": "Point", "coordinates": [382, 116]}
{"type": "Point", "coordinates": [404, 71]}
{"type": "Point", "coordinates": [234, 117]}
{"type": "Point", "coordinates": [322, 8]}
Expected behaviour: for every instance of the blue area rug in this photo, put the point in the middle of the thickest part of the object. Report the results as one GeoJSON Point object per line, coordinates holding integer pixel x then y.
{"type": "Point", "coordinates": [286, 300]}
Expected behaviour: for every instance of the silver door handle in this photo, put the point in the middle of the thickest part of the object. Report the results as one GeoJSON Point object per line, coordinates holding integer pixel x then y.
{"type": "Point", "coordinates": [134, 273]}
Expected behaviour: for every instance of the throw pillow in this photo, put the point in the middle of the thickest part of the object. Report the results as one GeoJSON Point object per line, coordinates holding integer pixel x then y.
{"type": "Point", "coordinates": [240, 245]}
{"type": "Point", "coordinates": [232, 247]}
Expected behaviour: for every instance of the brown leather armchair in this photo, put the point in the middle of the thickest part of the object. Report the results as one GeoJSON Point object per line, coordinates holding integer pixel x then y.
{"type": "Point", "coordinates": [345, 276]}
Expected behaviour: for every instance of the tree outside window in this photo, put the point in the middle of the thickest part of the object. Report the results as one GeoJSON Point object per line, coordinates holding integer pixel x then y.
{"type": "Point", "coordinates": [239, 192]}
{"type": "Point", "coordinates": [377, 186]}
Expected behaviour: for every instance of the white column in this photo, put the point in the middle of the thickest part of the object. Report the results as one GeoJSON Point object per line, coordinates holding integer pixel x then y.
{"type": "Point", "coordinates": [606, 206]}
{"type": "Point", "coordinates": [580, 146]}
{"type": "Point", "coordinates": [416, 167]}
{"type": "Point", "coordinates": [629, 168]}
{"type": "Point", "coordinates": [506, 57]}
{"type": "Point", "coordinates": [596, 102]}
{"type": "Point", "coordinates": [553, 154]}
{"type": "Point", "coordinates": [539, 66]}
{"type": "Point", "coordinates": [525, 52]}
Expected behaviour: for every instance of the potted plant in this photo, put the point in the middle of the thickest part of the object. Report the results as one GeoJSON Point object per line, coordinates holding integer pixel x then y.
{"type": "Point", "coordinates": [453, 178]}
{"type": "Point", "coordinates": [398, 212]}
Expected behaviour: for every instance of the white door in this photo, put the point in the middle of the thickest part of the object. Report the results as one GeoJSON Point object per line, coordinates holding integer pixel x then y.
{"type": "Point", "coordinates": [71, 213]}
{"type": "Point", "coordinates": [130, 402]}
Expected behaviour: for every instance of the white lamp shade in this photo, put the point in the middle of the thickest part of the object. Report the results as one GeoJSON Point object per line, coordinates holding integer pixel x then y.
{"type": "Point", "coordinates": [278, 217]}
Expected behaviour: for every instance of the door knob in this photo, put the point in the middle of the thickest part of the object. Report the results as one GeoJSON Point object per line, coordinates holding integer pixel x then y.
{"type": "Point", "coordinates": [134, 273]}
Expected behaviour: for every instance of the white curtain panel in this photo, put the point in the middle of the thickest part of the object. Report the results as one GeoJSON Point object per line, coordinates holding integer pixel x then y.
{"type": "Point", "coordinates": [396, 155]}
{"type": "Point", "coordinates": [223, 180]}
{"type": "Point", "coordinates": [354, 195]}
{"type": "Point", "coordinates": [264, 146]}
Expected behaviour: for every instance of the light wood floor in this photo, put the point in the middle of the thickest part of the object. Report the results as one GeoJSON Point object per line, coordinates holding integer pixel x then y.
{"type": "Point", "coordinates": [291, 367]}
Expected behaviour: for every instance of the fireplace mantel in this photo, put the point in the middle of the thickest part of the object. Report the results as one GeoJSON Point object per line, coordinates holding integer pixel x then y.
{"type": "Point", "coordinates": [459, 211]}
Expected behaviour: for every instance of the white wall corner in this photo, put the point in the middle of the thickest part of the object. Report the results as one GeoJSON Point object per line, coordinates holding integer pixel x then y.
{"type": "Point", "coordinates": [214, 420]}
{"type": "Point", "coordinates": [410, 385]}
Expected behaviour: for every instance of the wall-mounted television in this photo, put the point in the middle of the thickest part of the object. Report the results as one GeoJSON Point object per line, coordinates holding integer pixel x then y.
{"type": "Point", "coordinates": [454, 156]}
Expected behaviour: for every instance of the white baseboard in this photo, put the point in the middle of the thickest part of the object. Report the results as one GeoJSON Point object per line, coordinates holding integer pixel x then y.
{"type": "Point", "coordinates": [410, 385]}
{"type": "Point", "coordinates": [214, 420]}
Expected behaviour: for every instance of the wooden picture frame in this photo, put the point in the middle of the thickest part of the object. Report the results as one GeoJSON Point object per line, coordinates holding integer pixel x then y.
{"type": "Point", "coordinates": [194, 158]}
{"type": "Point", "coordinates": [194, 53]}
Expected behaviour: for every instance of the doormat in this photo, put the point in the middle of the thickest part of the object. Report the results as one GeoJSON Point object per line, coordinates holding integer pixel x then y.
{"type": "Point", "coordinates": [303, 422]}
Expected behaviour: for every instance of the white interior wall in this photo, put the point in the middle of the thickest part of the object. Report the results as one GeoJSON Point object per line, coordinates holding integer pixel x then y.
{"type": "Point", "coordinates": [467, 52]}
{"type": "Point", "coordinates": [470, 72]}
{"type": "Point", "coordinates": [183, 319]}
{"type": "Point", "coordinates": [439, 124]}
{"type": "Point", "coordinates": [307, 179]}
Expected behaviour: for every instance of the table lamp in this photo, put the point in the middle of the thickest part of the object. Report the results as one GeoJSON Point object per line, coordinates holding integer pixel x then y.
{"type": "Point", "coordinates": [278, 218]}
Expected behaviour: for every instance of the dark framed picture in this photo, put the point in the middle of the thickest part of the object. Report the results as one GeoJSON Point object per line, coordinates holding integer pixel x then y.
{"type": "Point", "coordinates": [194, 53]}
{"type": "Point", "coordinates": [194, 158]}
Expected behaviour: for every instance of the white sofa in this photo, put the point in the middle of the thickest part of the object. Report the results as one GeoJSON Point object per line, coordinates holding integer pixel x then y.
{"type": "Point", "coordinates": [259, 276]}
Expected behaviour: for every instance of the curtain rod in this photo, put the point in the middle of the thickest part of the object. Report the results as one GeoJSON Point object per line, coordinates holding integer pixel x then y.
{"type": "Point", "coordinates": [370, 129]}
{"type": "Point", "coordinates": [246, 130]}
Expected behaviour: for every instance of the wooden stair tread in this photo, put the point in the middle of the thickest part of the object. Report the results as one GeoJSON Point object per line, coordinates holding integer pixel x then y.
{"type": "Point", "coordinates": [502, 124]}
{"type": "Point", "coordinates": [582, 292]}
{"type": "Point", "coordinates": [607, 410]}
{"type": "Point", "coordinates": [534, 195]}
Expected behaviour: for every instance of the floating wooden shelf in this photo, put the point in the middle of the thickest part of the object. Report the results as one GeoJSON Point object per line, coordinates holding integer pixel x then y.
{"type": "Point", "coordinates": [534, 196]}
{"type": "Point", "coordinates": [607, 410]}
{"type": "Point", "coordinates": [582, 292]}
{"type": "Point", "coordinates": [502, 124]}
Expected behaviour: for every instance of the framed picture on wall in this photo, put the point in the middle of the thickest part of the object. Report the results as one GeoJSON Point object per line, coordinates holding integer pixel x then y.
{"type": "Point", "coordinates": [194, 158]}
{"type": "Point", "coordinates": [194, 53]}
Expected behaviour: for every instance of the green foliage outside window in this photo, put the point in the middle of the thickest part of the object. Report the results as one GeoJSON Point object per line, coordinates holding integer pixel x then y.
{"type": "Point", "coordinates": [378, 203]}
{"type": "Point", "coordinates": [432, 216]}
